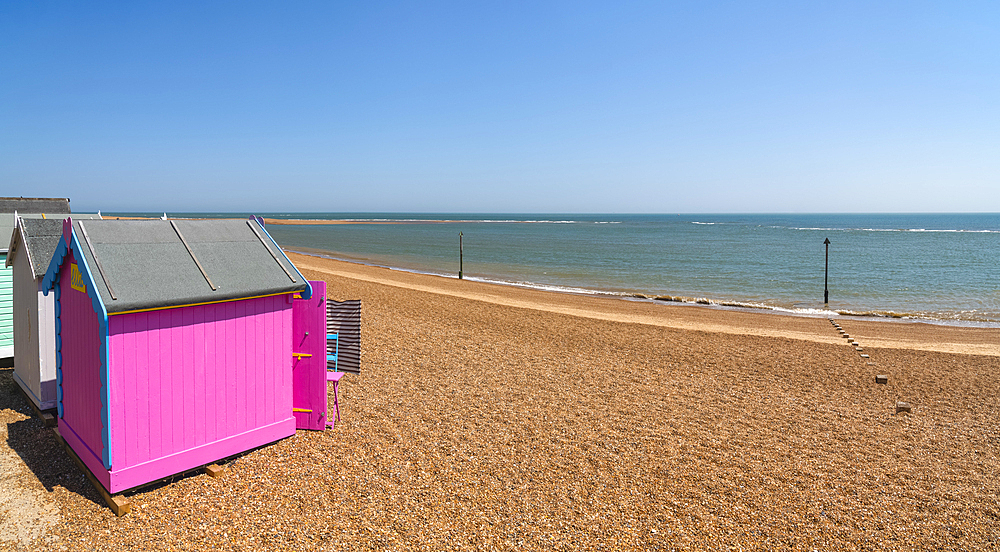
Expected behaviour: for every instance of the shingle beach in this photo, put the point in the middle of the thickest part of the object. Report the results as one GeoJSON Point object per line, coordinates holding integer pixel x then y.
{"type": "Point", "coordinates": [496, 418]}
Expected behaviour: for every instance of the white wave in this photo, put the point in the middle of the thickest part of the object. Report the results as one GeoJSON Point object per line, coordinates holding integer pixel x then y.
{"type": "Point", "coordinates": [803, 311]}
{"type": "Point", "coordinates": [961, 231]}
{"type": "Point", "coordinates": [544, 287]}
{"type": "Point", "coordinates": [812, 229]}
{"type": "Point", "coordinates": [954, 231]}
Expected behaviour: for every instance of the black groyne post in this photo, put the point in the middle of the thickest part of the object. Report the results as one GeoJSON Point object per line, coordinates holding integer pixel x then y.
{"type": "Point", "coordinates": [826, 276]}
{"type": "Point", "coordinates": [460, 254]}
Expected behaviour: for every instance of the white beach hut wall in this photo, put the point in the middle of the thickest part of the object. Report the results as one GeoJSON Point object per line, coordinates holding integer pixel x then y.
{"type": "Point", "coordinates": [32, 244]}
{"type": "Point", "coordinates": [31, 248]}
{"type": "Point", "coordinates": [10, 208]}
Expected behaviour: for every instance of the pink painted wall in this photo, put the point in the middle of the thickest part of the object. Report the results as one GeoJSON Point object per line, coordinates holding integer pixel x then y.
{"type": "Point", "coordinates": [183, 379]}
{"type": "Point", "coordinates": [81, 363]}
{"type": "Point", "coordinates": [309, 372]}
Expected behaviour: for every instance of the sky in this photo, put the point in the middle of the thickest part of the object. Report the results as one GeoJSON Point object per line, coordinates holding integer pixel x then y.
{"type": "Point", "coordinates": [535, 107]}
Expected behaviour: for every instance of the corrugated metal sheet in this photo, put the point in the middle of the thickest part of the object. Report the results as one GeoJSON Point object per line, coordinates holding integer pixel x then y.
{"type": "Point", "coordinates": [344, 318]}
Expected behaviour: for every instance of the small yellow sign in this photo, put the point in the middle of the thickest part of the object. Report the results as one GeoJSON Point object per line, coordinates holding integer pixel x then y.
{"type": "Point", "coordinates": [76, 279]}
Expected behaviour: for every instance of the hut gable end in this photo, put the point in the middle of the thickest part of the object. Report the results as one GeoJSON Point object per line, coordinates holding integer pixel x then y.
{"type": "Point", "coordinates": [40, 237]}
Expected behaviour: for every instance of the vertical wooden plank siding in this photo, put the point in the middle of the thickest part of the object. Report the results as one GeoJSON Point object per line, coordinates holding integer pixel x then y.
{"type": "Point", "coordinates": [120, 394]}
{"type": "Point", "coordinates": [309, 386]}
{"type": "Point", "coordinates": [81, 363]}
{"type": "Point", "coordinates": [219, 360]}
{"type": "Point", "coordinates": [268, 359]}
{"type": "Point", "coordinates": [197, 358]}
{"type": "Point", "coordinates": [6, 307]}
{"type": "Point", "coordinates": [142, 392]}
{"type": "Point", "coordinates": [240, 378]}
{"type": "Point", "coordinates": [130, 389]}
{"type": "Point", "coordinates": [27, 365]}
{"type": "Point", "coordinates": [210, 388]}
{"type": "Point", "coordinates": [162, 381]}
{"type": "Point", "coordinates": [256, 405]}
{"type": "Point", "coordinates": [45, 326]}
{"type": "Point", "coordinates": [171, 383]}
{"type": "Point", "coordinates": [283, 382]}
{"type": "Point", "coordinates": [222, 370]}
{"type": "Point", "coordinates": [229, 418]}
{"type": "Point", "coordinates": [185, 350]}
{"type": "Point", "coordinates": [155, 390]}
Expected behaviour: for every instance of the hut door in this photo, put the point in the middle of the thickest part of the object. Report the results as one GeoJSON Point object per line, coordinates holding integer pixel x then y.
{"type": "Point", "coordinates": [309, 404]}
{"type": "Point", "coordinates": [344, 319]}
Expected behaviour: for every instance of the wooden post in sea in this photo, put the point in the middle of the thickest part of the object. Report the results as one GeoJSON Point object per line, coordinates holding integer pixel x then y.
{"type": "Point", "coordinates": [460, 255]}
{"type": "Point", "coordinates": [826, 276]}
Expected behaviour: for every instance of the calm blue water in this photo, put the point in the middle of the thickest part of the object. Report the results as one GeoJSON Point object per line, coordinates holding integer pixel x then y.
{"type": "Point", "coordinates": [938, 267]}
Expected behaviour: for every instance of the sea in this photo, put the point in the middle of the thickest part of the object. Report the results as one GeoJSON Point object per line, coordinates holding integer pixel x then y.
{"type": "Point", "coordinates": [938, 268]}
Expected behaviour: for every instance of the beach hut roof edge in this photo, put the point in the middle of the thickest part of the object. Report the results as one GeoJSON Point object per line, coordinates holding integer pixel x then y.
{"type": "Point", "coordinates": [9, 220]}
{"type": "Point", "coordinates": [139, 265]}
{"type": "Point", "coordinates": [55, 205]}
{"type": "Point", "coordinates": [41, 237]}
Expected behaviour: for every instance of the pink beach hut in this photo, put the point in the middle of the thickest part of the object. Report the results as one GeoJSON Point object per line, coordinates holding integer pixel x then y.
{"type": "Point", "coordinates": [174, 343]}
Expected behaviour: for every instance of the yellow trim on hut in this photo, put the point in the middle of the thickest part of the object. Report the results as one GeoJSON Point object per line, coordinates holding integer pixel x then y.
{"type": "Point", "coordinates": [199, 304]}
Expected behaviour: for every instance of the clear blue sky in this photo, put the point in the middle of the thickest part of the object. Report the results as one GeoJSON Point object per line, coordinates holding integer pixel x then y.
{"type": "Point", "coordinates": [502, 107]}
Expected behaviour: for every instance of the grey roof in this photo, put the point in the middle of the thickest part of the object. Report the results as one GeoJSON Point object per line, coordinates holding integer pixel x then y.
{"type": "Point", "coordinates": [7, 222]}
{"type": "Point", "coordinates": [148, 266]}
{"type": "Point", "coordinates": [41, 236]}
{"type": "Point", "coordinates": [34, 205]}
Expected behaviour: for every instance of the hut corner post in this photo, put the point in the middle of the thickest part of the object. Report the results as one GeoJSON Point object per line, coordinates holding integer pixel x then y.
{"type": "Point", "coordinates": [118, 504]}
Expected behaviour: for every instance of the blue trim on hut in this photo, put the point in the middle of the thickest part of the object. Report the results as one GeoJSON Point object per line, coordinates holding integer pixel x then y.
{"type": "Point", "coordinates": [48, 283]}
{"type": "Point", "coordinates": [87, 275]}
{"type": "Point", "coordinates": [308, 292]}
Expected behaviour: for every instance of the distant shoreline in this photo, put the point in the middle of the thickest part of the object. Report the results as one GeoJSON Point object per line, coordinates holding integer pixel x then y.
{"type": "Point", "coordinates": [989, 335]}
{"type": "Point", "coordinates": [862, 253]}
{"type": "Point", "coordinates": [921, 334]}
{"type": "Point", "coordinates": [347, 221]}
{"type": "Point", "coordinates": [297, 222]}
{"type": "Point", "coordinates": [635, 297]}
